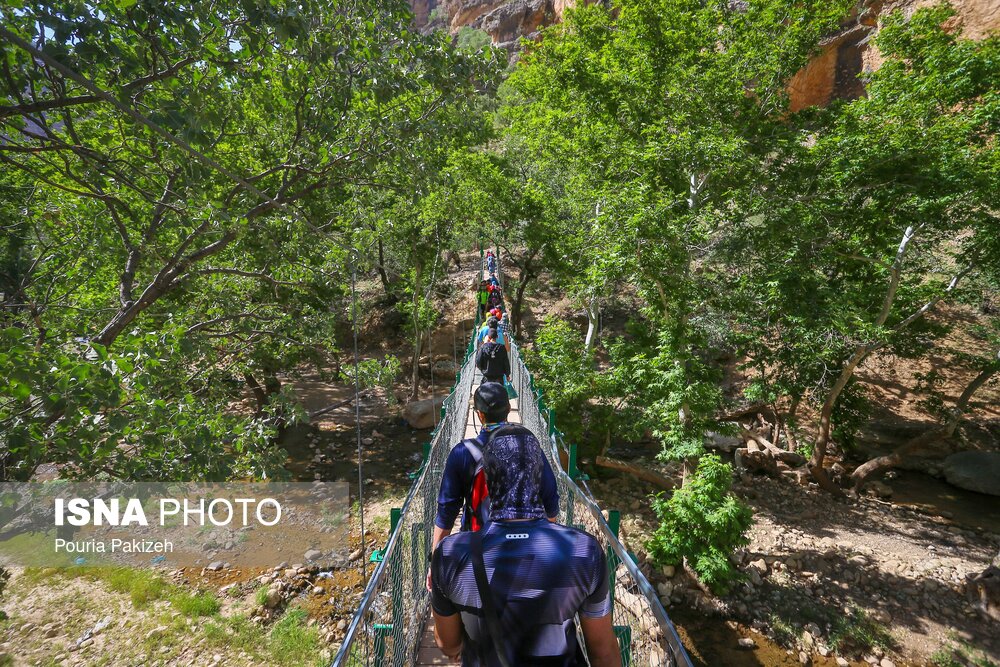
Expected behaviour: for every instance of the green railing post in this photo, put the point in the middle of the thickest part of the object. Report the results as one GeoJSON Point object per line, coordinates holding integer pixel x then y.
{"type": "Point", "coordinates": [614, 521]}
{"type": "Point", "coordinates": [394, 514]}
{"type": "Point", "coordinates": [381, 631]}
{"type": "Point", "coordinates": [624, 635]}
{"type": "Point", "coordinates": [573, 471]}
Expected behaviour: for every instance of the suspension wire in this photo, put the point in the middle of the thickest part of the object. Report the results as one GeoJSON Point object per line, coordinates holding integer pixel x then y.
{"type": "Point", "coordinates": [430, 329]}
{"type": "Point", "coordinates": [475, 335]}
{"type": "Point", "coordinates": [357, 410]}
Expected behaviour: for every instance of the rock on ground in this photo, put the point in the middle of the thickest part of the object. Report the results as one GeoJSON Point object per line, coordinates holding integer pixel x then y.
{"type": "Point", "coordinates": [423, 413]}
{"type": "Point", "coordinates": [974, 471]}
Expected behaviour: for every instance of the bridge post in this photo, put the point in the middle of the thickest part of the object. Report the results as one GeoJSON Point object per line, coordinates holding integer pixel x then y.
{"type": "Point", "coordinates": [382, 630]}
{"type": "Point", "coordinates": [614, 523]}
{"type": "Point", "coordinates": [396, 579]}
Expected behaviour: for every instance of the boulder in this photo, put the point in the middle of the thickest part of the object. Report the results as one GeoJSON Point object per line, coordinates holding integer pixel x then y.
{"type": "Point", "coordinates": [423, 413]}
{"type": "Point", "coordinates": [724, 443]}
{"type": "Point", "coordinates": [974, 471]}
{"type": "Point", "coordinates": [983, 591]}
{"type": "Point", "coordinates": [273, 598]}
{"type": "Point", "coordinates": [445, 370]}
{"type": "Point", "coordinates": [514, 19]}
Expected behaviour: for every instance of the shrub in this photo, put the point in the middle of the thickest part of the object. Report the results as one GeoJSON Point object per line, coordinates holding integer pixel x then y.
{"type": "Point", "coordinates": [195, 604]}
{"type": "Point", "coordinates": [704, 523]}
{"type": "Point", "coordinates": [564, 370]}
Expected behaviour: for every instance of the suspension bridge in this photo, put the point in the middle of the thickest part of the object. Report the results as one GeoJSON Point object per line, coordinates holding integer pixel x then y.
{"type": "Point", "coordinates": [392, 626]}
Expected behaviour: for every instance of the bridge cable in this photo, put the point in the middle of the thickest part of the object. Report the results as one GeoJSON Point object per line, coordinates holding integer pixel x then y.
{"type": "Point", "coordinates": [357, 408]}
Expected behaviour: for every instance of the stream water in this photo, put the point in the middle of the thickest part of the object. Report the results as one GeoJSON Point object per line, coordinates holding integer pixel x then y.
{"type": "Point", "coordinates": [934, 496]}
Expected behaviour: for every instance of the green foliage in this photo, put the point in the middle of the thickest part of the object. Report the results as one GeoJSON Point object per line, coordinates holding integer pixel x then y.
{"type": "Point", "coordinates": [142, 586]}
{"type": "Point", "coordinates": [565, 373]}
{"type": "Point", "coordinates": [959, 653]}
{"type": "Point", "coordinates": [374, 373]}
{"type": "Point", "coordinates": [472, 39]}
{"type": "Point", "coordinates": [783, 632]}
{"type": "Point", "coordinates": [291, 641]}
{"type": "Point", "coordinates": [851, 412]}
{"type": "Point", "coordinates": [703, 523]}
{"type": "Point", "coordinates": [662, 390]}
{"type": "Point", "coordinates": [148, 281]}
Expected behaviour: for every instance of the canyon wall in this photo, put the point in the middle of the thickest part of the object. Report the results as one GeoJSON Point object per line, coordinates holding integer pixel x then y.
{"type": "Point", "coordinates": [832, 74]}
{"type": "Point", "coordinates": [505, 21]}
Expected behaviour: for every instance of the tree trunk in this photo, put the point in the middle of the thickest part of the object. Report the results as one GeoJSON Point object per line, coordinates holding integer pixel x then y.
{"type": "Point", "coordinates": [383, 276]}
{"type": "Point", "coordinates": [638, 472]}
{"type": "Point", "coordinates": [259, 395]}
{"type": "Point", "coordinates": [859, 355]}
{"type": "Point", "coordinates": [517, 303]}
{"type": "Point", "coordinates": [789, 422]}
{"type": "Point", "coordinates": [166, 279]}
{"type": "Point", "coordinates": [867, 470]}
{"type": "Point", "coordinates": [527, 274]}
{"type": "Point", "coordinates": [593, 315]}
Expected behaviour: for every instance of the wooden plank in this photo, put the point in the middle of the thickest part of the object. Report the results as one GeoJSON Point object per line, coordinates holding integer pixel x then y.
{"type": "Point", "coordinates": [429, 653]}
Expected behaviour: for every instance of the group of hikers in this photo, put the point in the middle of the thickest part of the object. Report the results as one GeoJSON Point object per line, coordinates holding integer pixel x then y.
{"type": "Point", "coordinates": [507, 588]}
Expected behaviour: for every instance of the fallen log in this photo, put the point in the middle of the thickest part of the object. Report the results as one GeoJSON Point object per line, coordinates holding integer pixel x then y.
{"type": "Point", "coordinates": [338, 404]}
{"type": "Point", "coordinates": [644, 474]}
{"type": "Point", "coordinates": [756, 460]}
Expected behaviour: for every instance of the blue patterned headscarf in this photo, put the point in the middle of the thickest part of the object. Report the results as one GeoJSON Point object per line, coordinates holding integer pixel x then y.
{"type": "Point", "coordinates": [513, 465]}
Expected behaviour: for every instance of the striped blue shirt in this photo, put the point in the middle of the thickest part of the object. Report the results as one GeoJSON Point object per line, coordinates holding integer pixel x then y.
{"type": "Point", "coordinates": [541, 575]}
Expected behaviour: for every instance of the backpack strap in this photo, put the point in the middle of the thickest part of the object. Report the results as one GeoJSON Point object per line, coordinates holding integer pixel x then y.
{"type": "Point", "coordinates": [478, 492]}
{"type": "Point", "coordinates": [486, 596]}
{"type": "Point", "coordinates": [472, 445]}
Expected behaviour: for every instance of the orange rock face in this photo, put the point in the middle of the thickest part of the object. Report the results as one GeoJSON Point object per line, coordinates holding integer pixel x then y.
{"type": "Point", "coordinates": [837, 72]}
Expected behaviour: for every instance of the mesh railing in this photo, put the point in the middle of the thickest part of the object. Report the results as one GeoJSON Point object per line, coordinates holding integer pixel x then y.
{"type": "Point", "coordinates": [387, 625]}
{"type": "Point", "coordinates": [389, 622]}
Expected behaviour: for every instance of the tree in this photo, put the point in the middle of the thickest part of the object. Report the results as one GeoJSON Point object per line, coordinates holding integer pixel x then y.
{"type": "Point", "coordinates": [666, 111]}
{"type": "Point", "coordinates": [190, 167]}
{"type": "Point", "coordinates": [881, 209]}
{"type": "Point", "coordinates": [986, 367]}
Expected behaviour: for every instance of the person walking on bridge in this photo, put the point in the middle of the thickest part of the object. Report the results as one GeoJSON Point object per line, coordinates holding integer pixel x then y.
{"type": "Point", "coordinates": [482, 297]}
{"type": "Point", "coordinates": [492, 323]}
{"type": "Point", "coordinates": [492, 358]}
{"type": "Point", "coordinates": [463, 486]}
{"type": "Point", "coordinates": [515, 587]}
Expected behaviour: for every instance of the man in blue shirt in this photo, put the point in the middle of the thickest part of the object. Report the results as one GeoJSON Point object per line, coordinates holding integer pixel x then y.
{"type": "Point", "coordinates": [463, 483]}
{"type": "Point", "coordinates": [539, 576]}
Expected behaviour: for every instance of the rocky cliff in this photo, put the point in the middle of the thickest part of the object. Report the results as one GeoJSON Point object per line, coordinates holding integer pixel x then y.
{"type": "Point", "coordinates": [505, 21]}
{"type": "Point", "coordinates": [832, 74]}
